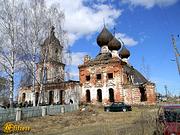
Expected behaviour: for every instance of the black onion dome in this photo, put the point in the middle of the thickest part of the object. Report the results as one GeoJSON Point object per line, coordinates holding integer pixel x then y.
{"type": "Point", "coordinates": [114, 44]}
{"type": "Point", "coordinates": [124, 53]}
{"type": "Point", "coordinates": [52, 38]}
{"type": "Point", "coordinates": [104, 37]}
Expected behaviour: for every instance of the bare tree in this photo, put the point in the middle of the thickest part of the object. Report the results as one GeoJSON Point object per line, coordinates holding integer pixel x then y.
{"type": "Point", "coordinates": [145, 69]}
{"type": "Point", "coordinates": [23, 27]}
{"type": "Point", "coordinates": [9, 54]}
{"type": "Point", "coordinates": [4, 92]}
{"type": "Point", "coordinates": [37, 21]}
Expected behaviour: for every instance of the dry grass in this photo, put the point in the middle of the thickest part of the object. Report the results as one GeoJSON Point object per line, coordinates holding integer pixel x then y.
{"type": "Point", "coordinates": [94, 121]}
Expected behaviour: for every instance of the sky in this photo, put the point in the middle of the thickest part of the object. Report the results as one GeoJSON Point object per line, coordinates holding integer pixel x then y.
{"type": "Point", "coordinates": [145, 27]}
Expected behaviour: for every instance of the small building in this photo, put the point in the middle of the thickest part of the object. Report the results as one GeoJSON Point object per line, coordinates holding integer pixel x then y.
{"type": "Point", "coordinates": [109, 77]}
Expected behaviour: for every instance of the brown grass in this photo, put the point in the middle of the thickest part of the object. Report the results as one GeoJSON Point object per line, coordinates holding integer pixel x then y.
{"type": "Point", "coordinates": [94, 121]}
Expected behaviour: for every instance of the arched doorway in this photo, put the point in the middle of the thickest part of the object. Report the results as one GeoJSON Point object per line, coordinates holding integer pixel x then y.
{"type": "Point", "coordinates": [88, 96]}
{"type": "Point", "coordinates": [61, 96]}
{"type": "Point", "coordinates": [36, 98]}
{"type": "Point", "coordinates": [143, 94]}
{"type": "Point", "coordinates": [23, 97]}
{"type": "Point", "coordinates": [99, 95]}
{"type": "Point", "coordinates": [51, 97]}
{"type": "Point", "coordinates": [111, 95]}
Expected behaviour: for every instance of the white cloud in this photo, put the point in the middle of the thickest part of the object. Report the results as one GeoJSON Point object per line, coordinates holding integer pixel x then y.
{"type": "Point", "coordinates": [150, 3]}
{"type": "Point", "coordinates": [126, 39]}
{"type": "Point", "coordinates": [75, 59]}
{"type": "Point", "coordinates": [82, 20]}
{"type": "Point", "coordinates": [72, 71]}
{"type": "Point", "coordinates": [72, 37]}
{"type": "Point", "coordinates": [73, 75]}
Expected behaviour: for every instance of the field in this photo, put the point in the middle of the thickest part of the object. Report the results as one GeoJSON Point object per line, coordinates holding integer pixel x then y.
{"type": "Point", "coordinates": [94, 121]}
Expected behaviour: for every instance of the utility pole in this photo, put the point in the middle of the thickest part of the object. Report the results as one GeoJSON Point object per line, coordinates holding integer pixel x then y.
{"type": "Point", "coordinates": [177, 54]}
{"type": "Point", "coordinates": [166, 90]}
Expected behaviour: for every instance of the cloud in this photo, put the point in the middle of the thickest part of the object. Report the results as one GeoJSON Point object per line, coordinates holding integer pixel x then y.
{"type": "Point", "coordinates": [75, 59]}
{"type": "Point", "coordinates": [150, 3]}
{"type": "Point", "coordinates": [126, 39]}
{"type": "Point", "coordinates": [82, 19]}
{"type": "Point", "coordinates": [72, 75]}
{"type": "Point", "coordinates": [72, 71]}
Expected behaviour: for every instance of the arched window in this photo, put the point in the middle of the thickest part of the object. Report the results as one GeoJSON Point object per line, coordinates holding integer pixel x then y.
{"type": "Point", "coordinates": [88, 96]}
{"type": "Point", "coordinates": [61, 97]}
{"type": "Point", "coordinates": [99, 95]}
{"type": "Point", "coordinates": [51, 97]}
{"type": "Point", "coordinates": [23, 97]}
{"type": "Point", "coordinates": [36, 97]}
{"type": "Point", "coordinates": [111, 95]}
{"type": "Point", "coordinates": [56, 51]}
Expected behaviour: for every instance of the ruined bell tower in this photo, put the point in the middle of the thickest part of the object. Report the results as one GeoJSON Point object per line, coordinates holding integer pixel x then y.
{"type": "Point", "coordinates": [51, 57]}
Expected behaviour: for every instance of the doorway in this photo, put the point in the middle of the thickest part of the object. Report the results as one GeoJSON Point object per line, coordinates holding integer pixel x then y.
{"type": "Point", "coordinates": [51, 97]}
{"type": "Point", "coordinates": [23, 97]}
{"type": "Point", "coordinates": [99, 95]}
{"type": "Point", "coordinates": [143, 94]}
{"type": "Point", "coordinates": [111, 95]}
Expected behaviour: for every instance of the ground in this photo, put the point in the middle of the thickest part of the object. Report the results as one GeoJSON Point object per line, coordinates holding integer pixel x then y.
{"type": "Point", "coordinates": [94, 121]}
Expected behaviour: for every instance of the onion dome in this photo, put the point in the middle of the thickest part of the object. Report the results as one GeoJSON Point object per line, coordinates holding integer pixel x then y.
{"type": "Point", "coordinates": [52, 38]}
{"type": "Point", "coordinates": [114, 44]}
{"type": "Point", "coordinates": [124, 53]}
{"type": "Point", "coordinates": [104, 37]}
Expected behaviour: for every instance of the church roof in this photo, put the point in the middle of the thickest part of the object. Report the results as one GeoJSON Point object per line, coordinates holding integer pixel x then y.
{"type": "Point", "coordinates": [114, 44]}
{"type": "Point", "coordinates": [138, 78]}
{"type": "Point", "coordinates": [124, 52]}
{"type": "Point", "coordinates": [104, 37]}
{"type": "Point", "coordinates": [103, 57]}
{"type": "Point", "coordinates": [51, 38]}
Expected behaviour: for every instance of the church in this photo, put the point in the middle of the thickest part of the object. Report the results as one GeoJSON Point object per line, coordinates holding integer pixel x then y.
{"type": "Point", "coordinates": [50, 70]}
{"type": "Point", "coordinates": [109, 77]}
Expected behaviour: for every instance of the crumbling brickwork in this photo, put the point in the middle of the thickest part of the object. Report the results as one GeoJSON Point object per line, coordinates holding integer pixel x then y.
{"type": "Point", "coordinates": [107, 78]}
{"type": "Point", "coordinates": [110, 78]}
{"type": "Point", "coordinates": [54, 93]}
{"type": "Point", "coordinates": [55, 89]}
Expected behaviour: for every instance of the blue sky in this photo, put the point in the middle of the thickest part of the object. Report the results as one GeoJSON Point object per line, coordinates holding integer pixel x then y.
{"type": "Point", "coordinates": [145, 26]}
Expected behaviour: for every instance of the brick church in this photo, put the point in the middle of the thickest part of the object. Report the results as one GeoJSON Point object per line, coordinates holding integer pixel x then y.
{"type": "Point", "coordinates": [108, 77]}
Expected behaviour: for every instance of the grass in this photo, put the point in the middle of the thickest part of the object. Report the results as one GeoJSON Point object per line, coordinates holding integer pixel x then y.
{"type": "Point", "coordinates": [94, 121]}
